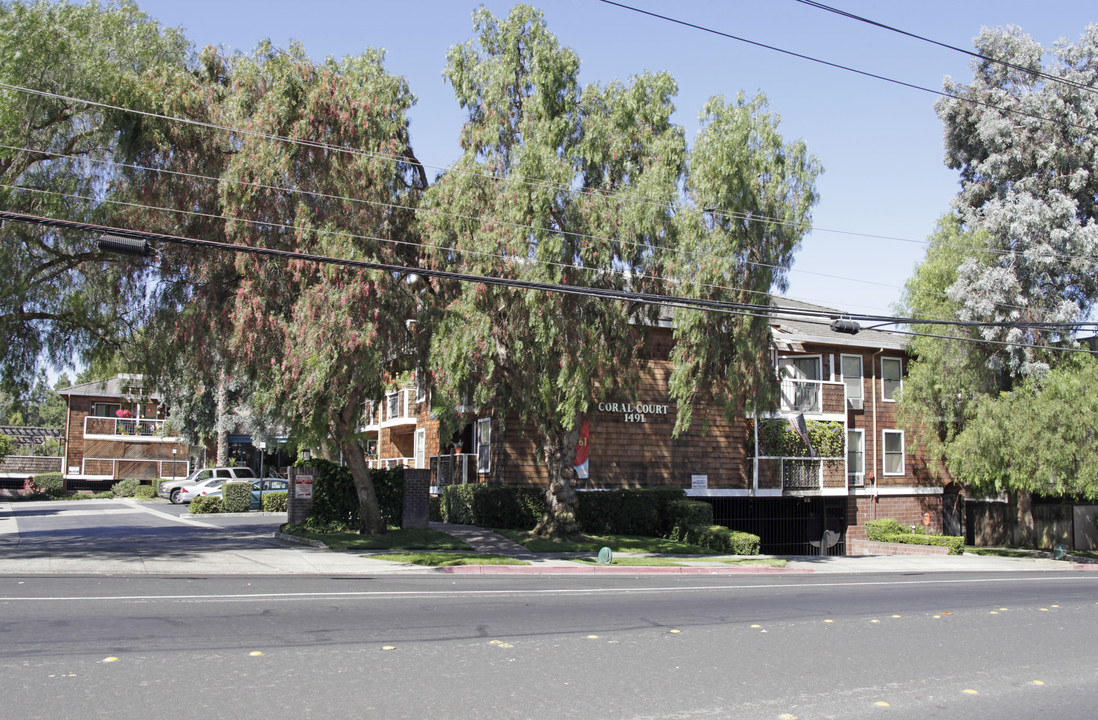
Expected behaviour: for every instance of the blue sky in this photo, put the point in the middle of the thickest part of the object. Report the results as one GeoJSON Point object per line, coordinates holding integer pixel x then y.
{"type": "Point", "coordinates": [885, 183]}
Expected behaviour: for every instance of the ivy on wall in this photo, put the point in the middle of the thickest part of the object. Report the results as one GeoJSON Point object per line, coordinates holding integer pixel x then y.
{"type": "Point", "coordinates": [777, 438]}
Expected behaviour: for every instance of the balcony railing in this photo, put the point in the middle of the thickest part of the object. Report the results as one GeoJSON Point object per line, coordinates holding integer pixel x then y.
{"type": "Point", "coordinates": [459, 469]}
{"type": "Point", "coordinates": [812, 397]}
{"type": "Point", "coordinates": [802, 475]}
{"type": "Point", "coordinates": [131, 427]}
{"type": "Point", "coordinates": [390, 463]}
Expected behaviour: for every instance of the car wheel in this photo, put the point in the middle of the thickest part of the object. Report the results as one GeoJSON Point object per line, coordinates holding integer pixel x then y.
{"type": "Point", "coordinates": [174, 496]}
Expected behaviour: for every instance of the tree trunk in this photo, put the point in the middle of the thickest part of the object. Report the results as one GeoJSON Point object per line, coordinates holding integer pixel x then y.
{"type": "Point", "coordinates": [222, 412]}
{"type": "Point", "coordinates": [369, 513]}
{"type": "Point", "coordinates": [1025, 531]}
{"type": "Point", "coordinates": [559, 520]}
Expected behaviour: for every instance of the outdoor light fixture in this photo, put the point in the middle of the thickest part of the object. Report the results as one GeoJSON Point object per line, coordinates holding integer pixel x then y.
{"type": "Point", "coordinates": [124, 245]}
{"type": "Point", "coordinates": [306, 456]}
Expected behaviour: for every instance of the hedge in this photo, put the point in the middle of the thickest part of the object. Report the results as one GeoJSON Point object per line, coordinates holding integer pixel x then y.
{"type": "Point", "coordinates": [336, 501]}
{"type": "Point", "coordinates": [125, 488]}
{"type": "Point", "coordinates": [49, 484]}
{"type": "Point", "coordinates": [717, 537]}
{"type": "Point", "coordinates": [236, 497]}
{"type": "Point", "coordinates": [645, 512]}
{"type": "Point", "coordinates": [892, 531]}
{"type": "Point", "coordinates": [492, 506]}
{"type": "Point", "coordinates": [275, 502]}
{"type": "Point", "coordinates": [144, 492]}
{"type": "Point", "coordinates": [206, 504]}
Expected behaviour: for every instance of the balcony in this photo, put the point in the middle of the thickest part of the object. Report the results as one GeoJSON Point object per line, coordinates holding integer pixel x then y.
{"type": "Point", "coordinates": [460, 469]}
{"type": "Point", "coordinates": [390, 463]}
{"type": "Point", "coordinates": [399, 408]}
{"type": "Point", "coordinates": [152, 430]}
{"type": "Point", "coordinates": [813, 397]}
{"type": "Point", "coordinates": [801, 476]}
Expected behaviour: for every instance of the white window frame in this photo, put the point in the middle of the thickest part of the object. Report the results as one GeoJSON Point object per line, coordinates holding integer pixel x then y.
{"type": "Point", "coordinates": [899, 362]}
{"type": "Point", "coordinates": [861, 375]}
{"type": "Point", "coordinates": [421, 449]}
{"type": "Point", "coordinates": [852, 471]}
{"type": "Point", "coordinates": [484, 439]}
{"type": "Point", "coordinates": [884, 454]}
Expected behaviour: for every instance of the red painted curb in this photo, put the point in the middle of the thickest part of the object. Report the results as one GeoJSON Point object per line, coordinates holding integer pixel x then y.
{"type": "Point", "coordinates": [595, 570]}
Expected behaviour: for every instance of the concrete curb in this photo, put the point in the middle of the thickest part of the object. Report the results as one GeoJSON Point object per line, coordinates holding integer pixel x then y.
{"type": "Point", "coordinates": [294, 539]}
{"type": "Point", "coordinates": [606, 570]}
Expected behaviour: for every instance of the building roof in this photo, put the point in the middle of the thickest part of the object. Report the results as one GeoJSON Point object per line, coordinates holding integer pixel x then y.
{"type": "Point", "coordinates": [790, 332]}
{"type": "Point", "coordinates": [126, 385]}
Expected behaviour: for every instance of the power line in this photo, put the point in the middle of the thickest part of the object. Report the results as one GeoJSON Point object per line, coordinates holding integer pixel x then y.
{"type": "Point", "coordinates": [846, 68]}
{"type": "Point", "coordinates": [748, 309]}
{"type": "Point", "coordinates": [947, 46]}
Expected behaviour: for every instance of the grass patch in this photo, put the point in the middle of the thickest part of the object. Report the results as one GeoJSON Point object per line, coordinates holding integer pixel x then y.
{"type": "Point", "coordinates": [1004, 552]}
{"type": "Point", "coordinates": [758, 562]}
{"type": "Point", "coordinates": [395, 539]}
{"type": "Point", "coordinates": [634, 562]}
{"type": "Point", "coordinates": [444, 559]}
{"type": "Point", "coordinates": [594, 543]}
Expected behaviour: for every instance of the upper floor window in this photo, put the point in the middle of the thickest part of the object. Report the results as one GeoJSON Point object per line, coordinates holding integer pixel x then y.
{"type": "Point", "coordinates": [852, 375]}
{"type": "Point", "coordinates": [891, 378]}
{"type": "Point", "coordinates": [894, 452]}
{"type": "Point", "coordinates": [855, 456]}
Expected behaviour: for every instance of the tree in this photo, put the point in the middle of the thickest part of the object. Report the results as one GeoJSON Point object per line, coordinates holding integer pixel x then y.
{"type": "Point", "coordinates": [61, 297]}
{"type": "Point", "coordinates": [313, 341]}
{"type": "Point", "coordinates": [581, 187]}
{"type": "Point", "coordinates": [1024, 137]}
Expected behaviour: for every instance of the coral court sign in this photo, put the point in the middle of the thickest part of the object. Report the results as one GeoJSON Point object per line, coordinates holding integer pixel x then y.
{"type": "Point", "coordinates": [636, 412]}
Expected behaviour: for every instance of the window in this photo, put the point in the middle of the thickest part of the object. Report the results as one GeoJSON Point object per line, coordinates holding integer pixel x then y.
{"type": "Point", "coordinates": [855, 457]}
{"type": "Point", "coordinates": [105, 409]}
{"type": "Point", "coordinates": [421, 449]}
{"type": "Point", "coordinates": [484, 445]}
{"type": "Point", "coordinates": [852, 375]}
{"type": "Point", "coordinates": [891, 377]}
{"type": "Point", "coordinates": [894, 452]}
{"type": "Point", "coordinates": [801, 386]}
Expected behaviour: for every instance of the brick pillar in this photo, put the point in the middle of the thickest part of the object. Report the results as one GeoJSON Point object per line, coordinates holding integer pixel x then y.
{"type": "Point", "coordinates": [417, 499]}
{"type": "Point", "coordinates": [297, 509]}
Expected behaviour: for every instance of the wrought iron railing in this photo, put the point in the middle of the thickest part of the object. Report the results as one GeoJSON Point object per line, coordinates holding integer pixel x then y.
{"type": "Point", "coordinates": [132, 427]}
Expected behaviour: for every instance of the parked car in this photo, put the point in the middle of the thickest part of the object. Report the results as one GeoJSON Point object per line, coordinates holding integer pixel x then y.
{"type": "Point", "coordinates": [173, 489]}
{"type": "Point", "coordinates": [259, 489]}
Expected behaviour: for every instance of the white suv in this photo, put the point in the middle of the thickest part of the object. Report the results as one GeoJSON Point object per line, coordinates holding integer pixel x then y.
{"type": "Point", "coordinates": [173, 488]}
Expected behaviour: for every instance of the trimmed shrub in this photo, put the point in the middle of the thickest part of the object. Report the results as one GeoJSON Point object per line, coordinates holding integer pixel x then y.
{"type": "Point", "coordinates": [717, 537]}
{"type": "Point", "coordinates": [491, 506]}
{"type": "Point", "coordinates": [628, 512]}
{"type": "Point", "coordinates": [144, 492]}
{"type": "Point", "coordinates": [206, 505]}
{"type": "Point", "coordinates": [690, 512]}
{"type": "Point", "coordinates": [236, 497]}
{"type": "Point", "coordinates": [877, 529]}
{"type": "Point", "coordinates": [48, 484]}
{"type": "Point", "coordinates": [275, 502]}
{"type": "Point", "coordinates": [125, 488]}
{"type": "Point", "coordinates": [336, 501]}
{"type": "Point", "coordinates": [434, 512]}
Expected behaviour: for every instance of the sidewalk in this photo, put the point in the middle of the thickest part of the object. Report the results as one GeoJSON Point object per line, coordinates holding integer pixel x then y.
{"type": "Point", "coordinates": [269, 553]}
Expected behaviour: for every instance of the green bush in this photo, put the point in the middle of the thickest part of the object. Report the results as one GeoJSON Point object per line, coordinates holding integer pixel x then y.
{"type": "Point", "coordinates": [336, 501]}
{"type": "Point", "coordinates": [275, 502]}
{"type": "Point", "coordinates": [955, 543]}
{"type": "Point", "coordinates": [717, 537]}
{"type": "Point", "coordinates": [48, 484]}
{"type": "Point", "coordinates": [877, 529]}
{"type": "Point", "coordinates": [690, 512]}
{"type": "Point", "coordinates": [205, 505]}
{"type": "Point", "coordinates": [492, 506]}
{"type": "Point", "coordinates": [628, 512]}
{"type": "Point", "coordinates": [236, 497]}
{"type": "Point", "coordinates": [778, 439]}
{"type": "Point", "coordinates": [125, 488]}
{"type": "Point", "coordinates": [144, 492]}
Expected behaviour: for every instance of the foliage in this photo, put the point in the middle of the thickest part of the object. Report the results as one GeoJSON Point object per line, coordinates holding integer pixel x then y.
{"type": "Point", "coordinates": [144, 492]}
{"type": "Point", "coordinates": [335, 499]}
{"type": "Point", "coordinates": [999, 448]}
{"type": "Point", "coordinates": [548, 356]}
{"type": "Point", "coordinates": [594, 543]}
{"type": "Point", "coordinates": [717, 538]}
{"type": "Point", "coordinates": [236, 497]}
{"type": "Point", "coordinates": [206, 505]}
{"type": "Point", "coordinates": [492, 506]}
{"type": "Point", "coordinates": [51, 485]}
{"type": "Point", "coordinates": [628, 512]}
{"type": "Point", "coordinates": [7, 446]}
{"type": "Point", "coordinates": [449, 559]}
{"type": "Point", "coordinates": [1027, 181]}
{"type": "Point", "coordinates": [892, 531]}
{"type": "Point", "coordinates": [395, 539]}
{"type": "Point", "coordinates": [275, 502]}
{"type": "Point", "coordinates": [777, 438]}
{"type": "Point", "coordinates": [61, 296]}
{"type": "Point", "coordinates": [690, 512]}
{"type": "Point", "coordinates": [125, 488]}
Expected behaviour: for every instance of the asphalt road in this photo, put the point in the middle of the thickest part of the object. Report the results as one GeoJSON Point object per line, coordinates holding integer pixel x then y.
{"type": "Point", "coordinates": [896, 646]}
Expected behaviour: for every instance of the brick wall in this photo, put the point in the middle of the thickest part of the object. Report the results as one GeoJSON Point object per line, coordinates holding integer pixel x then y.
{"type": "Point", "coordinates": [417, 499]}
{"type": "Point", "coordinates": [868, 547]}
{"type": "Point", "coordinates": [906, 509]}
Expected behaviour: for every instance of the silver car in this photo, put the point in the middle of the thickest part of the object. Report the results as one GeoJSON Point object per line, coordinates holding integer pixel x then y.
{"type": "Point", "coordinates": [173, 489]}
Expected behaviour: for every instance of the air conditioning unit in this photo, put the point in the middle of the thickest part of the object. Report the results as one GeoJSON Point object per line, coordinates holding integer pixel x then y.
{"type": "Point", "coordinates": [856, 480]}
{"type": "Point", "coordinates": [854, 403]}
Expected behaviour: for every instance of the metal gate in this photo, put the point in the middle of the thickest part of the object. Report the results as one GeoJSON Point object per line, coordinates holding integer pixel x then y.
{"type": "Point", "coordinates": [786, 526]}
